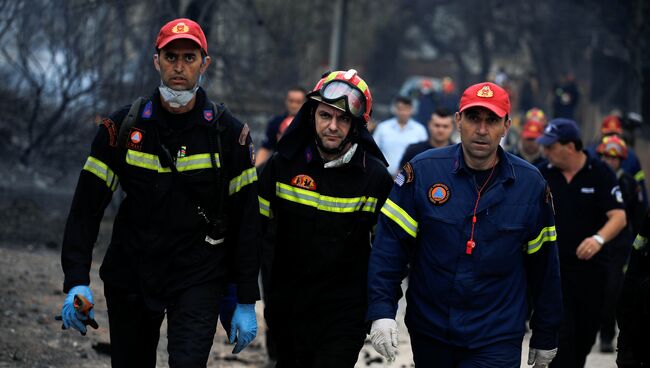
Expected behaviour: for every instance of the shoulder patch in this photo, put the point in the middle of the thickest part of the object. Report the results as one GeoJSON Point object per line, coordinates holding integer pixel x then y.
{"type": "Point", "coordinates": [208, 114]}
{"type": "Point", "coordinates": [112, 131]}
{"type": "Point", "coordinates": [303, 181]}
{"type": "Point", "coordinates": [148, 110]}
{"type": "Point", "coordinates": [243, 134]}
{"type": "Point", "coordinates": [408, 172]}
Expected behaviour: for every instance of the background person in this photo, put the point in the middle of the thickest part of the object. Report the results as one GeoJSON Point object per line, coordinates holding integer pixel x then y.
{"type": "Point", "coordinates": [441, 127]}
{"type": "Point", "coordinates": [395, 134]}
{"type": "Point", "coordinates": [588, 213]}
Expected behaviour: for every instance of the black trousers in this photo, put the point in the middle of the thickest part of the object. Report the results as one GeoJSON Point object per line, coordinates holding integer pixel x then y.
{"type": "Point", "coordinates": [319, 340]}
{"type": "Point", "coordinates": [583, 291]}
{"type": "Point", "coordinates": [429, 352]}
{"type": "Point", "coordinates": [615, 276]}
{"type": "Point", "coordinates": [135, 329]}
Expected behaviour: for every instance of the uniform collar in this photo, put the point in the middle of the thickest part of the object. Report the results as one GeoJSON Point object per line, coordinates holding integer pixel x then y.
{"type": "Point", "coordinates": [201, 113]}
{"type": "Point", "coordinates": [505, 169]}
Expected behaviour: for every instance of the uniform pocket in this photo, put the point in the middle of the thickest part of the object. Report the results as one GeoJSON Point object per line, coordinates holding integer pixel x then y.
{"type": "Point", "coordinates": [499, 246]}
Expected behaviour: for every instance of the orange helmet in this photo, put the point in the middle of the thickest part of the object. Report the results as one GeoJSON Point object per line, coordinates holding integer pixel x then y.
{"type": "Point", "coordinates": [611, 125]}
{"type": "Point", "coordinates": [613, 146]}
{"type": "Point", "coordinates": [345, 91]}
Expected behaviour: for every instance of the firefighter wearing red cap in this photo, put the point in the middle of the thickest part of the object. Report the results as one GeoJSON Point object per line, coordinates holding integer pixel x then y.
{"type": "Point", "coordinates": [475, 226]}
{"type": "Point", "coordinates": [323, 190]}
{"type": "Point", "coordinates": [613, 150]}
{"type": "Point", "coordinates": [187, 225]}
{"type": "Point", "coordinates": [612, 125]}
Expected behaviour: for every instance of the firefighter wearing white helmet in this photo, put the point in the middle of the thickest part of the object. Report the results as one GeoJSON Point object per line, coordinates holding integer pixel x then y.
{"type": "Point", "coordinates": [323, 190]}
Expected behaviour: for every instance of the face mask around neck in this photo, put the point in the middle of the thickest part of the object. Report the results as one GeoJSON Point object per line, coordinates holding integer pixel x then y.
{"type": "Point", "coordinates": [175, 98]}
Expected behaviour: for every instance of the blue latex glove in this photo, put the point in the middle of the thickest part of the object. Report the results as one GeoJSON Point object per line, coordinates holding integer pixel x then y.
{"type": "Point", "coordinates": [244, 326]}
{"type": "Point", "coordinates": [228, 305]}
{"type": "Point", "coordinates": [69, 316]}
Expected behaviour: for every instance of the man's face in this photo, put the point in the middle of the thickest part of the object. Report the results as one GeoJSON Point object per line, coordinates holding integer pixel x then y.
{"type": "Point", "coordinates": [180, 64]}
{"type": "Point", "coordinates": [294, 101]}
{"type": "Point", "coordinates": [440, 129]}
{"type": "Point", "coordinates": [481, 131]}
{"type": "Point", "coordinates": [332, 125]}
{"type": "Point", "coordinates": [556, 154]}
{"type": "Point", "coordinates": [403, 111]}
{"type": "Point", "coordinates": [529, 146]}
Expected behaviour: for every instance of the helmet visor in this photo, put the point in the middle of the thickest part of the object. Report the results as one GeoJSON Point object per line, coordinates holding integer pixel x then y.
{"type": "Point", "coordinates": [344, 95]}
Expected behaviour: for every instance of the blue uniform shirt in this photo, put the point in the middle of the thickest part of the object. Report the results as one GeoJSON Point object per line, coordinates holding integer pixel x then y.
{"type": "Point", "coordinates": [468, 300]}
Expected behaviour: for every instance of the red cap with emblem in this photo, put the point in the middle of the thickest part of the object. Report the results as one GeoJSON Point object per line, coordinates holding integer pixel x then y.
{"type": "Point", "coordinates": [181, 28]}
{"type": "Point", "coordinates": [533, 129]}
{"type": "Point", "coordinates": [488, 95]}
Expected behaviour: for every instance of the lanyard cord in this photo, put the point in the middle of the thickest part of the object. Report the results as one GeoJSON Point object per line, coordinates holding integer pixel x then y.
{"type": "Point", "coordinates": [470, 243]}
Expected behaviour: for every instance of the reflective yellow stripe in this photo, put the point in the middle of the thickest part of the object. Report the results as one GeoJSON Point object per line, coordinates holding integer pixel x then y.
{"type": "Point", "coordinates": [323, 202]}
{"type": "Point", "coordinates": [362, 85]}
{"type": "Point", "coordinates": [401, 218]}
{"type": "Point", "coordinates": [246, 177]}
{"type": "Point", "coordinates": [547, 234]}
{"type": "Point", "coordinates": [640, 242]}
{"type": "Point", "coordinates": [152, 162]}
{"type": "Point", "coordinates": [639, 176]}
{"type": "Point", "coordinates": [102, 171]}
{"type": "Point", "coordinates": [265, 206]}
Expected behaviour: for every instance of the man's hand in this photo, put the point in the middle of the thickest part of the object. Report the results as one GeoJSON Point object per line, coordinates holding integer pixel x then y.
{"type": "Point", "coordinates": [70, 316]}
{"type": "Point", "coordinates": [383, 335]}
{"type": "Point", "coordinates": [244, 326]}
{"type": "Point", "coordinates": [588, 248]}
{"type": "Point", "coordinates": [540, 358]}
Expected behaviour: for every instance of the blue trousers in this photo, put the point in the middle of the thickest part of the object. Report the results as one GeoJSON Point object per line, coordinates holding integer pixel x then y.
{"type": "Point", "coordinates": [429, 352]}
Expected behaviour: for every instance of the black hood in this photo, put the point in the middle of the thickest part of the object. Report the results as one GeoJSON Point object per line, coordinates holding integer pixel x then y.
{"type": "Point", "coordinates": [301, 133]}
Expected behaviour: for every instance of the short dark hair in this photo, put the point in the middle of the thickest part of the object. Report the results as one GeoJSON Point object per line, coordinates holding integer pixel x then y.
{"type": "Point", "coordinates": [443, 112]}
{"type": "Point", "coordinates": [297, 89]}
{"type": "Point", "coordinates": [403, 99]}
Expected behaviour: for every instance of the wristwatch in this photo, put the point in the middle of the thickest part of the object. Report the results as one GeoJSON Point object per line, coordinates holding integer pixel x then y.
{"type": "Point", "coordinates": [599, 239]}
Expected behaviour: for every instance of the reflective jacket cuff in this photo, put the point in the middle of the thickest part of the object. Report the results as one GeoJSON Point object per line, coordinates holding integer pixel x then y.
{"type": "Point", "coordinates": [248, 293]}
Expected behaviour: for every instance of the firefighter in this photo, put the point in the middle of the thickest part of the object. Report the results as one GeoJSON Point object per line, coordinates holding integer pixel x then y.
{"type": "Point", "coordinates": [613, 150]}
{"type": "Point", "coordinates": [322, 190]}
{"type": "Point", "coordinates": [476, 226]}
{"type": "Point", "coordinates": [188, 222]}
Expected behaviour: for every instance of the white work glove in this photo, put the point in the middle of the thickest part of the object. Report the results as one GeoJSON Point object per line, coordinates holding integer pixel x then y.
{"type": "Point", "coordinates": [540, 358]}
{"type": "Point", "coordinates": [383, 335]}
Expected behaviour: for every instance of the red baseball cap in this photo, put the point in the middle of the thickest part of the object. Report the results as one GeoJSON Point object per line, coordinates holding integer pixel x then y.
{"type": "Point", "coordinates": [181, 28]}
{"type": "Point", "coordinates": [488, 95]}
{"type": "Point", "coordinates": [533, 129]}
{"type": "Point", "coordinates": [611, 125]}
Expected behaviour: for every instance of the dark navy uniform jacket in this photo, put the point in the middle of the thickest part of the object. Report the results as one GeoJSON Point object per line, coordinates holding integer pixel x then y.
{"type": "Point", "coordinates": [460, 299]}
{"type": "Point", "coordinates": [158, 244]}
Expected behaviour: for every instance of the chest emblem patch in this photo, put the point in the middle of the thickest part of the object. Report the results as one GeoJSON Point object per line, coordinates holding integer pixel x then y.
{"type": "Point", "coordinates": [135, 139]}
{"type": "Point", "coordinates": [303, 181]}
{"type": "Point", "coordinates": [439, 194]}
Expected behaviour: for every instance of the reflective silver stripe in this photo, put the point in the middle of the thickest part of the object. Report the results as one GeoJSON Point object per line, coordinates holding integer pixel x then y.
{"type": "Point", "coordinates": [196, 162]}
{"type": "Point", "coordinates": [152, 162]}
{"type": "Point", "coordinates": [323, 202]}
{"type": "Point", "coordinates": [246, 177]}
{"type": "Point", "coordinates": [548, 234]}
{"type": "Point", "coordinates": [265, 206]}
{"type": "Point", "coordinates": [400, 217]}
{"type": "Point", "coordinates": [102, 171]}
{"type": "Point", "coordinates": [640, 242]}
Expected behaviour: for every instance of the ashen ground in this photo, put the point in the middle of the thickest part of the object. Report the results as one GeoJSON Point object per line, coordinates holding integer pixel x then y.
{"type": "Point", "coordinates": [30, 297]}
